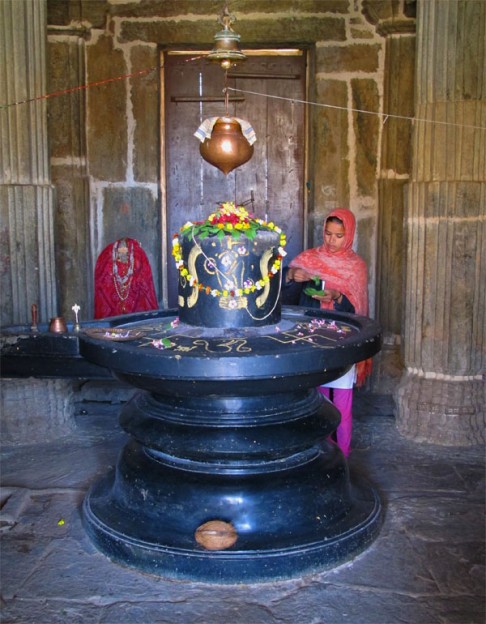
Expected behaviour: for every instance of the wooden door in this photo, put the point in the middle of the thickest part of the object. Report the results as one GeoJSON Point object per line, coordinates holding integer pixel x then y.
{"type": "Point", "coordinates": [274, 177]}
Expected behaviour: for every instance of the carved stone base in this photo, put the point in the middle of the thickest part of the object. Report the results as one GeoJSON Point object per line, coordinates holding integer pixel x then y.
{"type": "Point", "coordinates": [36, 410]}
{"type": "Point", "coordinates": [438, 411]}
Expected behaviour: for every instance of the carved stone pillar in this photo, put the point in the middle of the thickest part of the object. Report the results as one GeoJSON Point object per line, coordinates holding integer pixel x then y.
{"type": "Point", "coordinates": [27, 273]}
{"type": "Point", "coordinates": [441, 398]}
{"type": "Point", "coordinates": [394, 174]}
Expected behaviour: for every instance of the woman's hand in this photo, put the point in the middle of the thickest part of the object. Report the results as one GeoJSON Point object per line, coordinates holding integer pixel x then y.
{"type": "Point", "coordinates": [298, 275]}
{"type": "Point", "coordinates": [330, 295]}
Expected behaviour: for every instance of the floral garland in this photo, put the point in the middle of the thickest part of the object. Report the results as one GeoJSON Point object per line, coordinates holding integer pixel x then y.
{"type": "Point", "coordinates": [234, 220]}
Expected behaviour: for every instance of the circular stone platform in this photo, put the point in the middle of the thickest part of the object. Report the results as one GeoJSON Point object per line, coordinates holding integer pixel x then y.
{"type": "Point", "coordinates": [228, 476]}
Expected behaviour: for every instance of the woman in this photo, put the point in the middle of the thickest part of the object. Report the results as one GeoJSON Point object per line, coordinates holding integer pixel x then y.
{"type": "Point", "coordinates": [346, 290]}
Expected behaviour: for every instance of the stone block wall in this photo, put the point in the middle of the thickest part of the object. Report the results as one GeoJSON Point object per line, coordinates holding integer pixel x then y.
{"type": "Point", "coordinates": [105, 139]}
{"type": "Point", "coordinates": [420, 208]}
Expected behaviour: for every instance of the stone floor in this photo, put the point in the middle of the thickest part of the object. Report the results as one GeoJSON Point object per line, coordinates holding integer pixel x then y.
{"type": "Point", "coordinates": [427, 565]}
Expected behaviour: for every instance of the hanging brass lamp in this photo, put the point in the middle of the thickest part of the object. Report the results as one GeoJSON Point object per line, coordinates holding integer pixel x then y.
{"type": "Point", "coordinates": [227, 148]}
{"type": "Point", "coordinates": [226, 49]}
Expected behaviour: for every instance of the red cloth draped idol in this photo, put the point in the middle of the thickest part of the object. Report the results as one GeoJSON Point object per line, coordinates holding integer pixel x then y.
{"type": "Point", "coordinates": [343, 270]}
{"type": "Point", "coordinates": [123, 280]}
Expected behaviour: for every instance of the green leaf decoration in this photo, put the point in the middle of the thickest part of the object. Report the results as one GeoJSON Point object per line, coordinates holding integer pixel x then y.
{"type": "Point", "coordinates": [313, 291]}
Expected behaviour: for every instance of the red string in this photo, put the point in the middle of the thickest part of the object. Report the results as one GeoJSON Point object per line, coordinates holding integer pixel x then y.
{"type": "Point", "coordinates": [89, 85]}
{"type": "Point", "coordinates": [79, 87]}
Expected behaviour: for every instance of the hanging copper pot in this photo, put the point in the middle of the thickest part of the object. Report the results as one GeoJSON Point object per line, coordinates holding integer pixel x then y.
{"type": "Point", "coordinates": [227, 148]}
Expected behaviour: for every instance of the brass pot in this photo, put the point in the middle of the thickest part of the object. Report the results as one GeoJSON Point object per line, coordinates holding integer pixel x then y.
{"type": "Point", "coordinates": [58, 325]}
{"type": "Point", "coordinates": [227, 148]}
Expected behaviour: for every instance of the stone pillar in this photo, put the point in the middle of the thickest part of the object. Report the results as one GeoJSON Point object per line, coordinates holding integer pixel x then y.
{"type": "Point", "coordinates": [441, 398]}
{"type": "Point", "coordinates": [27, 274]}
{"type": "Point", "coordinates": [394, 175]}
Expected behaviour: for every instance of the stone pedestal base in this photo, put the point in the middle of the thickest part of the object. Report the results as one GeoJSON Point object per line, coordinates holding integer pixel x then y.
{"type": "Point", "coordinates": [228, 475]}
{"type": "Point", "coordinates": [231, 490]}
{"type": "Point", "coordinates": [36, 410]}
{"type": "Point", "coordinates": [438, 411]}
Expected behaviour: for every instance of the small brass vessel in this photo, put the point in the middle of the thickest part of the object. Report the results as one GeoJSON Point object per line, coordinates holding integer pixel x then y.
{"type": "Point", "coordinates": [58, 325]}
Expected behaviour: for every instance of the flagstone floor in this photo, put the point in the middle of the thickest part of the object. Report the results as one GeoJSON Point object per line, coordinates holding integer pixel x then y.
{"type": "Point", "coordinates": [427, 565]}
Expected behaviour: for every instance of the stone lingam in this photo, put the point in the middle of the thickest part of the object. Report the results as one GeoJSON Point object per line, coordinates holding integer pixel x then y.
{"type": "Point", "coordinates": [229, 475]}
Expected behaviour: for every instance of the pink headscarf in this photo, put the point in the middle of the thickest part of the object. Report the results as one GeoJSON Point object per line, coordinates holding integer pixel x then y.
{"type": "Point", "coordinates": [343, 270]}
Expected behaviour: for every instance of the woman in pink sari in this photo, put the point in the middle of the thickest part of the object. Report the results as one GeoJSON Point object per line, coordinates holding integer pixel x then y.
{"type": "Point", "coordinates": [346, 290]}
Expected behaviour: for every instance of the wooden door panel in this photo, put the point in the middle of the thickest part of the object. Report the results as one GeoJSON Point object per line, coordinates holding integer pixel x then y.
{"type": "Point", "coordinates": [274, 176]}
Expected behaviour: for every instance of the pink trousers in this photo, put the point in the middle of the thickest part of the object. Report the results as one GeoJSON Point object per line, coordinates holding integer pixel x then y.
{"type": "Point", "coordinates": [342, 398]}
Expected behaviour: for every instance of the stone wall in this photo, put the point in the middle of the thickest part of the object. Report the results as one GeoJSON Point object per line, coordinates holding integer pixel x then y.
{"type": "Point", "coordinates": [420, 207]}
{"type": "Point", "coordinates": [105, 139]}
{"type": "Point", "coordinates": [101, 71]}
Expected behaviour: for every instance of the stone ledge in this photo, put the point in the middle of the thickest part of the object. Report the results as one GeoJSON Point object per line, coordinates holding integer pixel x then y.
{"type": "Point", "coordinates": [36, 410]}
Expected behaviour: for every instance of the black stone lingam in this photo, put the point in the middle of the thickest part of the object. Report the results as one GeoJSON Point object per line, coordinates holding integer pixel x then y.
{"type": "Point", "coordinates": [229, 475]}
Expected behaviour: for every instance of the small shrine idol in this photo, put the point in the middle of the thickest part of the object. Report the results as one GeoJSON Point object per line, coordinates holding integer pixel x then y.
{"type": "Point", "coordinates": [123, 280]}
